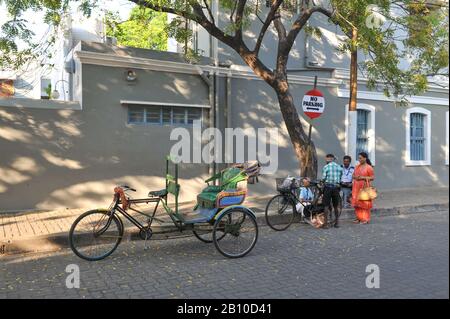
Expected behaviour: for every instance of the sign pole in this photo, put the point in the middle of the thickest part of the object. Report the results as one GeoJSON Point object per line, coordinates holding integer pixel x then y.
{"type": "Point", "coordinates": [308, 147]}
{"type": "Point", "coordinates": [313, 106]}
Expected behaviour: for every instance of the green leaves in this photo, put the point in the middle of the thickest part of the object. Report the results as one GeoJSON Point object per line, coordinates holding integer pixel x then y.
{"type": "Point", "coordinates": [405, 43]}
{"type": "Point", "coordinates": [144, 28]}
{"type": "Point", "coordinates": [12, 57]}
{"type": "Point", "coordinates": [313, 31]}
{"type": "Point", "coordinates": [17, 43]}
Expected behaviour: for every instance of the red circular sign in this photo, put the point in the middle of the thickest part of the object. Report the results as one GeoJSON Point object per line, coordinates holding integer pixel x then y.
{"type": "Point", "coordinates": [313, 103]}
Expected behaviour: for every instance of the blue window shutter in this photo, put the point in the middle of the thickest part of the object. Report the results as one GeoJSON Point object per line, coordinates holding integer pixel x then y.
{"type": "Point", "coordinates": [417, 139]}
{"type": "Point", "coordinates": [362, 131]}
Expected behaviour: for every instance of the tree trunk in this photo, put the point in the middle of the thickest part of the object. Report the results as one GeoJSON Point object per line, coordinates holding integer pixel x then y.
{"type": "Point", "coordinates": [354, 72]}
{"type": "Point", "coordinates": [299, 139]}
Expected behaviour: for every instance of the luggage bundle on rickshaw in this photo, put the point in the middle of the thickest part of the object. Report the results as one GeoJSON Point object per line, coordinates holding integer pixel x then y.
{"type": "Point", "coordinates": [287, 184]}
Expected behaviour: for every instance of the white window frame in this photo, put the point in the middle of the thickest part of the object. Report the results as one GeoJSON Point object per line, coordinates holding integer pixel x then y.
{"type": "Point", "coordinates": [161, 107]}
{"type": "Point", "coordinates": [41, 89]}
{"type": "Point", "coordinates": [351, 131]}
{"type": "Point", "coordinates": [427, 114]}
{"type": "Point", "coordinates": [447, 146]}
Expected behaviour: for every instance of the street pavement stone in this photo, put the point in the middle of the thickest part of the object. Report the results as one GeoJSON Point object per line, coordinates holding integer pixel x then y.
{"type": "Point", "coordinates": [412, 252]}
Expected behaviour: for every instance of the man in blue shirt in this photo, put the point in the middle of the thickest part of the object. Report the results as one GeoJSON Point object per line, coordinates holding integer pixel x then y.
{"type": "Point", "coordinates": [306, 195]}
{"type": "Point", "coordinates": [331, 176]}
{"type": "Point", "coordinates": [347, 180]}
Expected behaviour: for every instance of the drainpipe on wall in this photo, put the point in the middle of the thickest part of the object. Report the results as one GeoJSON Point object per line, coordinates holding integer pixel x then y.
{"type": "Point", "coordinates": [215, 42]}
{"type": "Point", "coordinates": [228, 104]}
{"type": "Point", "coordinates": [214, 111]}
{"type": "Point", "coordinates": [209, 79]}
{"type": "Point", "coordinates": [229, 99]}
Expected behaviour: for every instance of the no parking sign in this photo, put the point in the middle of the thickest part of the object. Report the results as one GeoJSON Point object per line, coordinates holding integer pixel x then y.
{"type": "Point", "coordinates": [313, 104]}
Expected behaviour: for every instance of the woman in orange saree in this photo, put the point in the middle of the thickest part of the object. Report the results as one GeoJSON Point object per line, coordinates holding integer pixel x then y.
{"type": "Point", "coordinates": [363, 173]}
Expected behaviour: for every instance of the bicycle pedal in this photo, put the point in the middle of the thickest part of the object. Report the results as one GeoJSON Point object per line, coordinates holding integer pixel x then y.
{"type": "Point", "coordinates": [145, 233]}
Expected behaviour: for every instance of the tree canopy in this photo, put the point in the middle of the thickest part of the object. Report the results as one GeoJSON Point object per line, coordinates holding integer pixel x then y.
{"type": "Point", "coordinates": [415, 31]}
{"type": "Point", "coordinates": [144, 28]}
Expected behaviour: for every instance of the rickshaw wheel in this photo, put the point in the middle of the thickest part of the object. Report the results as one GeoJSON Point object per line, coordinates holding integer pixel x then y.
{"type": "Point", "coordinates": [238, 235]}
{"type": "Point", "coordinates": [203, 236]}
{"type": "Point", "coordinates": [206, 236]}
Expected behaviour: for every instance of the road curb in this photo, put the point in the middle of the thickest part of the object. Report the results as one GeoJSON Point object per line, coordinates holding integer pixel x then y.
{"type": "Point", "coordinates": [55, 242]}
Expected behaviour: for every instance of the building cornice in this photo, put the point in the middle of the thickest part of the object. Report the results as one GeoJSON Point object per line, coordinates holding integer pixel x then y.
{"type": "Point", "coordinates": [156, 103]}
{"type": "Point", "coordinates": [113, 60]}
{"type": "Point", "coordinates": [339, 79]}
{"type": "Point", "coordinates": [293, 79]}
{"type": "Point", "coordinates": [379, 96]}
{"type": "Point", "coordinates": [344, 74]}
{"type": "Point", "coordinates": [40, 104]}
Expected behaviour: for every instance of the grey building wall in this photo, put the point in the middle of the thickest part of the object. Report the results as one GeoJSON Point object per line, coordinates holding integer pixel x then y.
{"type": "Point", "coordinates": [391, 145]}
{"type": "Point", "coordinates": [52, 158]}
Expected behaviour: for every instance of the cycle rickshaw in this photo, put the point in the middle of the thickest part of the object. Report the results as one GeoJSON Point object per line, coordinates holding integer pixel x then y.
{"type": "Point", "coordinates": [218, 217]}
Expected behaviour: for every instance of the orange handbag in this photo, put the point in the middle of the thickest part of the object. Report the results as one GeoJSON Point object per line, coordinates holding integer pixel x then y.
{"type": "Point", "coordinates": [368, 192]}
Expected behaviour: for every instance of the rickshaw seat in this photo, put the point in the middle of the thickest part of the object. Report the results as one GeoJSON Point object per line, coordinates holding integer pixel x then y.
{"type": "Point", "coordinates": [208, 196]}
{"type": "Point", "coordinates": [160, 193]}
{"type": "Point", "coordinates": [212, 189]}
{"type": "Point", "coordinates": [228, 180]}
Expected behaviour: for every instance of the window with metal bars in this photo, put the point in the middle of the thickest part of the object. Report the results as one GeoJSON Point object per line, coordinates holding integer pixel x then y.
{"type": "Point", "coordinates": [362, 131]}
{"type": "Point", "coordinates": [164, 115]}
{"type": "Point", "coordinates": [417, 137]}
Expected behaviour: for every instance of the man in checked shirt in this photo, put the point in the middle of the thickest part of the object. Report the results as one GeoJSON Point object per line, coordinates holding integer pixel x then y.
{"type": "Point", "coordinates": [331, 176]}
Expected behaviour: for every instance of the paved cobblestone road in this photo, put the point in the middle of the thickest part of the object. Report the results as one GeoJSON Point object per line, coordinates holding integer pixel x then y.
{"type": "Point", "coordinates": [411, 251]}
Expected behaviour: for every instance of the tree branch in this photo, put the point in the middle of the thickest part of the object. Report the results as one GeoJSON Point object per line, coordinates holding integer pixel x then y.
{"type": "Point", "coordinates": [256, 12]}
{"type": "Point", "coordinates": [240, 18]}
{"type": "Point", "coordinates": [212, 28]}
{"type": "Point", "coordinates": [197, 15]}
{"type": "Point", "coordinates": [236, 43]}
{"type": "Point", "coordinates": [282, 57]}
{"type": "Point", "coordinates": [279, 27]}
{"type": "Point", "coordinates": [159, 8]}
{"type": "Point", "coordinates": [270, 16]}
{"type": "Point", "coordinates": [208, 8]}
{"type": "Point", "coordinates": [233, 11]}
{"type": "Point", "coordinates": [301, 21]}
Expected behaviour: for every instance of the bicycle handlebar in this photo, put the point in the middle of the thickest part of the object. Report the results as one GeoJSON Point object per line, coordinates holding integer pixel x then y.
{"type": "Point", "coordinates": [317, 182]}
{"type": "Point", "coordinates": [128, 188]}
